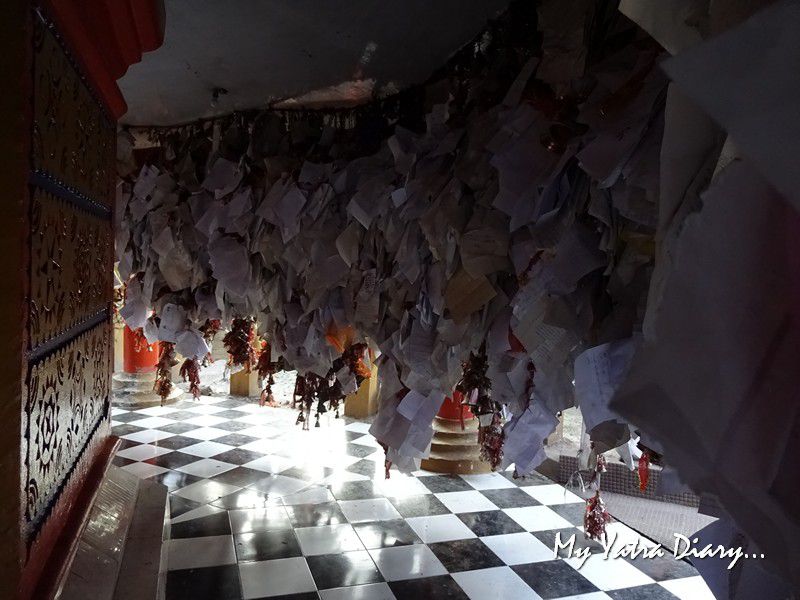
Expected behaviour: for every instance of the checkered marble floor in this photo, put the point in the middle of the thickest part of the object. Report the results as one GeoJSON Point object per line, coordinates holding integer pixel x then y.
{"type": "Point", "coordinates": [259, 508]}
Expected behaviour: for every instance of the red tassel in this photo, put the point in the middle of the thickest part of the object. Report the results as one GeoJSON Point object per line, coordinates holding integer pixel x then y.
{"type": "Point", "coordinates": [210, 328]}
{"type": "Point", "coordinates": [267, 399]}
{"type": "Point", "coordinates": [166, 360]}
{"type": "Point", "coordinates": [387, 464]}
{"type": "Point", "coordinates": [240, 342]}
{"type": "Point", "coordinates": [644, 470]}
{"type": "Point", "coordinates": [491, 439]}
{"type": "Point", "coordinates": [601, 464]}
{"type": "Point", "coordinates": [190, 370]}
{"type": "Point", "coordinates": [599, 468]}
{"type": "Point", "coordinates": [595, 518]}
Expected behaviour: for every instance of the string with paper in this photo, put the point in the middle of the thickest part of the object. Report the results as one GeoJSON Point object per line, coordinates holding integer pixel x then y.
{"type": "Point", "coordinates": [596, 517]}
{"type": "Point", "coordinates": [477, 391]}
{"type": "Point", "coordinates": [504, 208]}
{"type": "Point", "coordinates": [711, 382]}
{"type": "Point", "coordinates": [166, 360]}
{"type": "Point", "coordinates": [241, 344]}
{"type": "Point", "coordinates": [513, 202]}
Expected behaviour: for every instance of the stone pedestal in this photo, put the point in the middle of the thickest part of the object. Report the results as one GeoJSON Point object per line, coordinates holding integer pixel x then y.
{"type": "Point", "coordinates": [121, 546]}
{"type": "Point", "coordinates": [454, 450]}
{"type": "Point", "coordinates": [245, 384]}
{"type": "Point", "coordinates": [365, 401]}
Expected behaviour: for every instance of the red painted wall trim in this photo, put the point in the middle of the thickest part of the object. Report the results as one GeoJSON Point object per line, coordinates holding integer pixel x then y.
{"type": "Point", "coordinates": [106, 37]}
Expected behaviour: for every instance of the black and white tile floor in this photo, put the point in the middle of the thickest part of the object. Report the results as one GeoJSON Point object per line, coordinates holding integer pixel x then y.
{"type": "Point", "coordinates": [260, 508]}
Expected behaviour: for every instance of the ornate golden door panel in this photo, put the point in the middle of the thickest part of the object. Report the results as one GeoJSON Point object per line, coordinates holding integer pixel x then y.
{"type": "Point", "coordinates": [57, 173]}
{"type": "Point", "coordinates": [67, 384]}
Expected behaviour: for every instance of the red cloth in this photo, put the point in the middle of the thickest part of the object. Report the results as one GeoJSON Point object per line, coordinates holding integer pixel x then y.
{"type": "Point", "coordinates": [451, 408]}
{"type": "Point", "coordinates": [106, 37]}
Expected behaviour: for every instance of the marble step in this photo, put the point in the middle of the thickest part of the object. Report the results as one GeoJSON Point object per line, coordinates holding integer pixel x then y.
{"type": "Point", "coordinates": [119, 551]}
{"type": "Point", "coordinates": [466, 438]}
{"type": "Point", "coordinates": [455, 452]}
{"type": "Point", "coordinates": [135, 400]}
{"type": "Point", "coordinates": [135, 390]}
{"type": "Point", "coordinates": [142, 574]}
{"type": "Point", "coordinates": [452, 426]}
{"type": "Point", "coordinates": [448, 465]}
{"type": "Point", "coordinates": [142, 382]}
